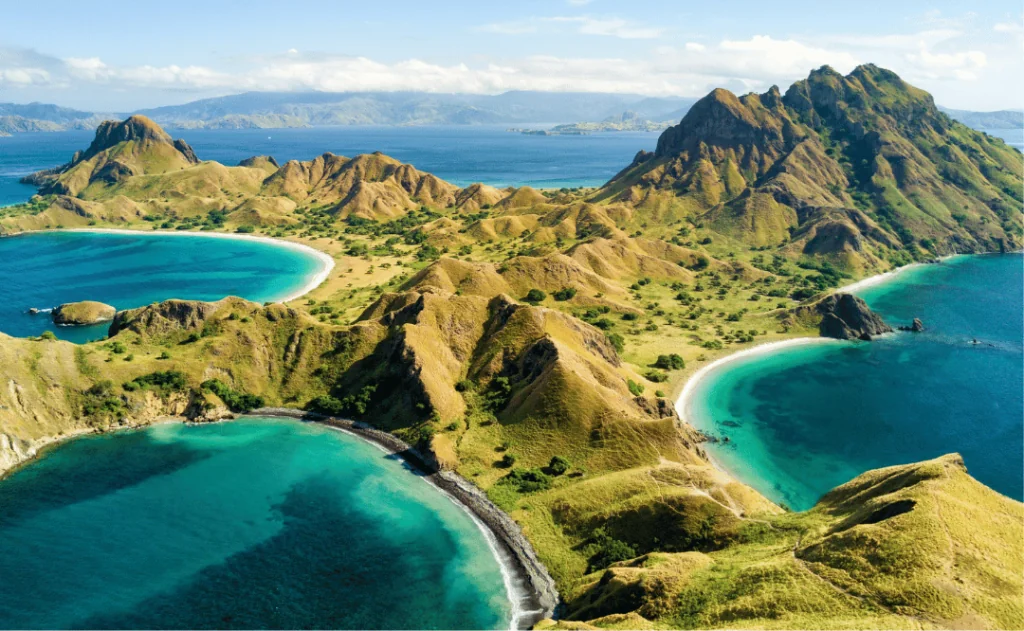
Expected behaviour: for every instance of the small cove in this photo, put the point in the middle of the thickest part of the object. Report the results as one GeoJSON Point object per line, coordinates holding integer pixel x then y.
{"type": "Point", "coordinates": [127, 270]}
{"type": "Point", "coordinates": [804, 419]}
{"type": "Point", "coordinates": [256, 523]}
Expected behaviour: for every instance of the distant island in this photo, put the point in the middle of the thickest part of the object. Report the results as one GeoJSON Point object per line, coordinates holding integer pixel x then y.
{"type": "Point", "coordinates": [627, 121]}
{"type": "Point", "coordinates": [275, 110]}
{"type": "Point", "coordinates": [533, 342]}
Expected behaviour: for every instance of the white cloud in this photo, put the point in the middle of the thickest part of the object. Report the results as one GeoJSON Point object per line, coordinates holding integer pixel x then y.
{"type": "Point", "coordinates": [960, 65]}
{"type": "Point", "coordinates": [940, 60]}
{"type": "Point", "coordinates": [584, 25]}
{"type": "Point", "coordinates": [14, 77]}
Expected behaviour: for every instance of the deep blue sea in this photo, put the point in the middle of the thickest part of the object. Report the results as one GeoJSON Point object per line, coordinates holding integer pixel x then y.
{"type": "Point", "coordinates": [803, 420]}
{"type": "Point", "coordinates": [252, 524]}
{"type": "Point", "coordinates": [461, 155]}
{"type": "Point", "coordinates": [43, 270]}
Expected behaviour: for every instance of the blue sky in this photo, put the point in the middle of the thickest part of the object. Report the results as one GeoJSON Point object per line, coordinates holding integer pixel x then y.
{"type": "Point", "coordinates": [117, 56]}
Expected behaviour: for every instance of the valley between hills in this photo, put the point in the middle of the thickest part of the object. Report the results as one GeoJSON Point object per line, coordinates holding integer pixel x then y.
{"type": "Point", "coordinates": [533, 342]}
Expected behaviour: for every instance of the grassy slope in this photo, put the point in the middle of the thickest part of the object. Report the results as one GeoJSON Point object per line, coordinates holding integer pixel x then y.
{"type": "Point", "coordinates": [425, 308]}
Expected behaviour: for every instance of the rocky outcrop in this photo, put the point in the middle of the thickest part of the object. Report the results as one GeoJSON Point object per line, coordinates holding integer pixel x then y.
{"type": "Point", "coordinates": [915, 327]}
{"type": "Point", "coordinates": [135, 128]}
{"type": "Point", "coordinates": [847, 317]}
{"type": "Point", "coordinates": [83, 313]}
{"type": "Point", "coordinates": [164, 317]}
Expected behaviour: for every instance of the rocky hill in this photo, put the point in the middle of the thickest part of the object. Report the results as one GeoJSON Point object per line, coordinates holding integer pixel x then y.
{"type": "Point", "coordinates": [121, 150]}
{"type": "Point", "coordinates": [532, 341]}
{"type": "Point", "coordinates": [852, 168]}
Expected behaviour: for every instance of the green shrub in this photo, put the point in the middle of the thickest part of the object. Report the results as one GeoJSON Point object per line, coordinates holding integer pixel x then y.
{"type": "Point", "coordinates": [566, 293]}
{"type": "Point", "coordinates": [672, 361]}
{"type": "Point", "coordinates": [603, 550]}
{"type": "Point", "coordinates": [534, 296]}
{"type": "Point", "coordinates": [527, 480]}
{"type": "Point", "coordinates": [656, 376]}
{"type": "Point", "coordinates": [559, 465]}
{"type": "Point", "coordinates": [617, 341]}
{"type": "Point", "coordinates": [498, 394]}
{"type": "Point", "coordinates": [635, 388]}
{"type": "Point", "coordinates": [355, 404]}
{"type": "Point", "coordinates": [508, 460]}
{"type": "Point", "coordinates": [245, 229]}
{"type": "Point", "coordinates": [164, 380]}
{"type": "Point", "coordinates": [235, 400]}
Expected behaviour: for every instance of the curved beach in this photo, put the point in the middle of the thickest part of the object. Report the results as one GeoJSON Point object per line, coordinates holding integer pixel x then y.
{"type": "Point", "coordinates": [685, 400]}
{"type": "Point", "coordinates": [538, 597]}
{"type": "Point", "coordinates": [686, 396]}
{"type": "Point", "coordinates": [314, 281]}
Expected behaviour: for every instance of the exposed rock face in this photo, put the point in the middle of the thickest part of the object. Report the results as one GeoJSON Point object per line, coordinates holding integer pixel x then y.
{"type": "Point", "coordinates": [163, 317]}
{"type": "Point", "coordinates": [135, 128]}
{"type": "Point", "coordinates": [916, 327]}
{"type": "Point", "coordinates": [120, 150]}
{"type": "Point", "coordinates": [847, 317]}
{"type": "Point", "coordinates": [770, 167]}
{"type": "Point", "coordinates": [83, 313]}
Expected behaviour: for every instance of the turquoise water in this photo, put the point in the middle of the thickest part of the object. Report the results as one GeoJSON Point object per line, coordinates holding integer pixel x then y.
{"type": "Point", "coordinates": [462, 155]}
{"type": "Point", "coordinates": [256, 523]}
{"type": "Point", "coordinates": [803, 420]}
{"type": "Point", "coordinates": [43, 270]}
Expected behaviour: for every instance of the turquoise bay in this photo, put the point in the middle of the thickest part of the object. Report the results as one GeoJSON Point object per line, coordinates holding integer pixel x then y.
{"type": "Point", "coordinates": [258, 523]}
{"type": "Point", "coordinates": [801, 420]}
{"type": "Point", "coordinates": [43, 270]}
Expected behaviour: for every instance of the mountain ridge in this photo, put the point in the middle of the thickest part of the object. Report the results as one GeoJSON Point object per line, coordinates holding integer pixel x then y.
{"type": "Point", "coordinates": [532, 341]}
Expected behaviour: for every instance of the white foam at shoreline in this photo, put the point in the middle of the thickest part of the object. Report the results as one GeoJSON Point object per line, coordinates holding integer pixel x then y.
{"type": "Point", "coordinates": [325, 259]}
{"type": "Point", "coordinates": [514, 594]}
{"type": "Point", "coordinates": [770, 347]}
{"type": "Point", "coordinates": [684, 400]}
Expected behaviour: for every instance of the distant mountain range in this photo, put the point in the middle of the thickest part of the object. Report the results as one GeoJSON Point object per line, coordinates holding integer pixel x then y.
{"type": "Point", "coordinates": [312, 109]}
{"type": "Point", "coordinates": [1001, 119]}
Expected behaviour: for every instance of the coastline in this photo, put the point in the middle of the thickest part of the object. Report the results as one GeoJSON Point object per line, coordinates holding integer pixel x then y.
{"type": "Point", "coordinates": [325, 259]}
{"type": "Point", "coordinates": [685, 399]}
{"type": "Point", "coordinates": [529, 587]}
{"type": "Point", "coordinates": [513, 551]}
{"type": "Point", "coordinates": [686, 396]}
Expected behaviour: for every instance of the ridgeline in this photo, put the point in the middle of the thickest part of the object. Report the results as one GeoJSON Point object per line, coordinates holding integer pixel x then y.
{"type": "Point", "coordinates": [530, 341]}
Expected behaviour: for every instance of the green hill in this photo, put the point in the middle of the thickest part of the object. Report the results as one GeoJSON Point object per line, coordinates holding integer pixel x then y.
{"type": "Point", "coordinates": [857, 169]}
{"type": "Point", "coordinates": [532, 341]}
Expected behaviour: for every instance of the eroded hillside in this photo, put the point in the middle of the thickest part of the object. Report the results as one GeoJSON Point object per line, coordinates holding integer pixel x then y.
{"type": "Point", "coordinates": [532, 341]}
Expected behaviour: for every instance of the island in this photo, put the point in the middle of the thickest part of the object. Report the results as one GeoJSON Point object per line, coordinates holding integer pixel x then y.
{"type": "Point", "coordinates": [82, 313]}
{"type": "Point", "coordinates": [627, 121]}
{"type": "Point", "coordinates": [529, 344]}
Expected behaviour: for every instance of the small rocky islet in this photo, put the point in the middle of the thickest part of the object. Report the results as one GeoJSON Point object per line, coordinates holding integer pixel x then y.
{"type": "Point", "coordinates": [513, 330]}
{"type": "Point", "coordinates": [82, 313]}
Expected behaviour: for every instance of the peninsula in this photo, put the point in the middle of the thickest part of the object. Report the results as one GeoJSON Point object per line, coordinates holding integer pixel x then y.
{"type": "Point", "coordinates": [531, 341]}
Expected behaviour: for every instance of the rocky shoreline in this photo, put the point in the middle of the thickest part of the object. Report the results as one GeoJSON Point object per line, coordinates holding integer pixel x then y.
{"type": "Point", "coordinates": [543, 598]}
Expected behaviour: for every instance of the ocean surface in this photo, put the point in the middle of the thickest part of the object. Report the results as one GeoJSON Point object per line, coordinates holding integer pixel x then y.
{"type": "Point", "coordinates": [1013, 137]}
{"type": "Point", "coordinates": [43, 270]}
{"type": "Point", "coordinates": [256, 523]}
{"type": "Point", "coordinates": [461, 155]}
{"type": "Point", "coordinates": [802, 420]}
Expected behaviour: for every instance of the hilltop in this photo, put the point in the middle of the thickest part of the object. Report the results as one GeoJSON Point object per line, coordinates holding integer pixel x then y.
{"type": "Point", "coordinates": [532, 342]}
{"type": "Point", "coordinates": [853, 169]}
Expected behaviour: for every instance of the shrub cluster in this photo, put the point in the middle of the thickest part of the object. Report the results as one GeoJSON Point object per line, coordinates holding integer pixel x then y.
{"type": "Point", "coordinates": [235, 400]}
